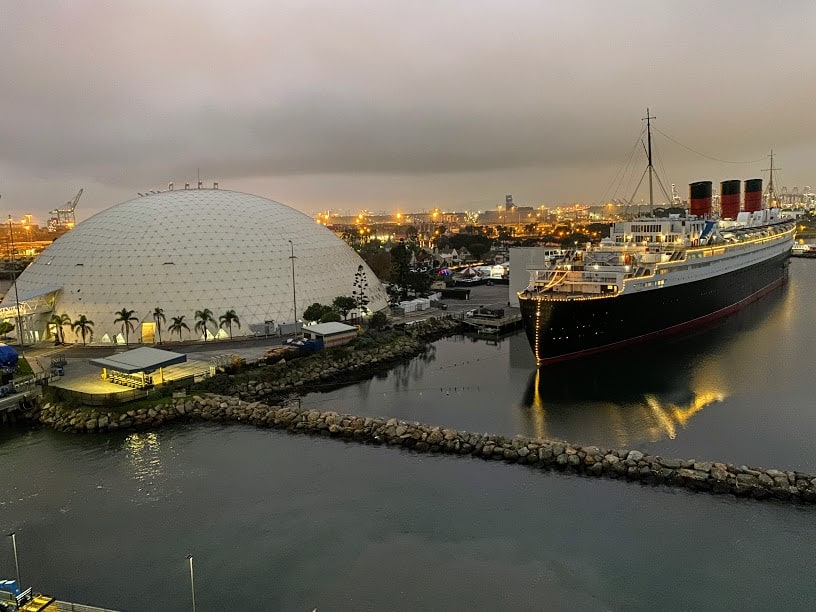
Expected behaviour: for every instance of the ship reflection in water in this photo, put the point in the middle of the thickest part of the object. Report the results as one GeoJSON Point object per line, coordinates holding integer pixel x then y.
{"type": "Point", "coordinates": [651, 392]}
{"type": "Point", "coordinates": [620, 418]}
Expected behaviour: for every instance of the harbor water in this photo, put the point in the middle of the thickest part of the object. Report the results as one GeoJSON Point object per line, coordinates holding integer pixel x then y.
{"type": "Point", "coordinates": [284, 522]}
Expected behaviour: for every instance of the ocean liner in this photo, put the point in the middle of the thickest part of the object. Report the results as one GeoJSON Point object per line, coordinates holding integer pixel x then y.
{"type": "Point", "coordinates": [657, 275]}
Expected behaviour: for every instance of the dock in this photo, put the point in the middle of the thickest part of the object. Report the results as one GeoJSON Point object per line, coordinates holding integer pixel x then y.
{"type": "Point", "coordinates": [492, 321]}
{"type": "Point", "coordinates": [28, 601]}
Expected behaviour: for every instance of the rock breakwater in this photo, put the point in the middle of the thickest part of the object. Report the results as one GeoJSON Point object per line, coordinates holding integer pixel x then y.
{"type": "Point", "coordinates": [535, 453]}
{"type": "Point", "coordinates": [333, 367]}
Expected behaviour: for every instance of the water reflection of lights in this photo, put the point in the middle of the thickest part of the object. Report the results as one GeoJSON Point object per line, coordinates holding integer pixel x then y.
{"type": "Point", "coordinates": [645, 419]}
{"type": "Point", "coordinates": [537, 410]}
{"type": "Point", "coordinates": [143, 450]}
{"type": "Point", "coordinates": [669, 415]}
{"type": "Point", "coordinates": [651, 393]}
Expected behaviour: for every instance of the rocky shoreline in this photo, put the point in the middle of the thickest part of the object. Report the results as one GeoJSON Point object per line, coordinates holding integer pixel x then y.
{"type": "Point", "coordinates": [251, 397]}
{"type": "Point", "coordinates": [331, 368]}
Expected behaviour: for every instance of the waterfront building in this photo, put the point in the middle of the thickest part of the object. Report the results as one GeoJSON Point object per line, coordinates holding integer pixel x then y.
{"type": "Point", "coordinates": [185, 251]}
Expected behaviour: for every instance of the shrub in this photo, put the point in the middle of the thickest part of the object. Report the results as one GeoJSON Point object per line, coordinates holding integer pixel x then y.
{"type": "Point", "coordinates": [378, 320]}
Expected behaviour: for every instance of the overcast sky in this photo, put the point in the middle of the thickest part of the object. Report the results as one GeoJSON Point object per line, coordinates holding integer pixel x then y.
{"type": "Point", "coordinates": [394, 105]}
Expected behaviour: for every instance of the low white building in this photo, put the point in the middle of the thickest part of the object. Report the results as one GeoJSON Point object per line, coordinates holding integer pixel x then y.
{"type": "Point", "coordinates": [330, 334]}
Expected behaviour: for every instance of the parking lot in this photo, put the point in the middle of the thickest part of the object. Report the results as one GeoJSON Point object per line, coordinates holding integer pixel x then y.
{"type": "Point", "coordinates": [480, 296]}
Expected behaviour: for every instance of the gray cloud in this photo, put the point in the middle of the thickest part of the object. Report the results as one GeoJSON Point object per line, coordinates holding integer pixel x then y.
{"type": "Point", "coordinates": [334, 105]}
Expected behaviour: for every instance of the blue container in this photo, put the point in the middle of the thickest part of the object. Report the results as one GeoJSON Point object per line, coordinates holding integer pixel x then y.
{"type": "Point", "coordinates": [8, 356]}
{"type": "Point", "coordinates": [9, 586]}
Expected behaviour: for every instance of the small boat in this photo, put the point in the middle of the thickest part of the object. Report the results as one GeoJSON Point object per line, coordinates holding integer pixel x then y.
{"type": "Point", "coordinates": [803, 250]}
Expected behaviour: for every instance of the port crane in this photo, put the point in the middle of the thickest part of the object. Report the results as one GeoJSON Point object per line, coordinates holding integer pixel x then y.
{"type": "Point", "coordinates": [64, 217]}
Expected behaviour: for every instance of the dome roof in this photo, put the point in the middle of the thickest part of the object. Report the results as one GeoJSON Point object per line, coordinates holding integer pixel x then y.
{"type": "Point", "coordinates": [190, 250]}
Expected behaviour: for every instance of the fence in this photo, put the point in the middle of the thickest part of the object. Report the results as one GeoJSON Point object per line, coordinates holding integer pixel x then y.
{"type": "Point", "coordinates": [104, 399]}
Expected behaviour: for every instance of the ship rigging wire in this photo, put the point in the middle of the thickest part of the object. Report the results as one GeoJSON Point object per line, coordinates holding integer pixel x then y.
{"type": "Point", "coordinates": [628, 168]}
{"type": "Point", "coordinates": [724, 161]}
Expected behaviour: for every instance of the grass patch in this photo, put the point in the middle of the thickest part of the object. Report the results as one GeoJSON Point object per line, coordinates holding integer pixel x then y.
{"type": "Point", "coordinates": [23, 369]}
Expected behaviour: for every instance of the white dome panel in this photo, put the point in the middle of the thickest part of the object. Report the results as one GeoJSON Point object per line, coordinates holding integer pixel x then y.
{"type": "Point", "coordinates": [193, 249]}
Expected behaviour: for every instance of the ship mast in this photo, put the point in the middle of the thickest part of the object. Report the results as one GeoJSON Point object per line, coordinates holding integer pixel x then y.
{"type": "Point", "coordinates": [771, 190]}
{"type": "Point", "coordinates": [649, 153]}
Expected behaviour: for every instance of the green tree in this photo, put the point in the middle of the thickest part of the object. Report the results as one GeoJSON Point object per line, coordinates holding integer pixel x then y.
{"type": "Point", "coordinates": [378, 320]}
{"type": "Point", "coordinates": [504, 233]}
{"type": "Point", "coordinates": [315, 311]}
{"type": "Point", "coordinates": [344, 304]}
{"type": "Point", "coordinates": [351, 238]}
{"type": "Point", "coordinates": [418, 283]}
{"type": "Point", "coordinates": [360, 291]}
{"type": "Point", "coordinates": [203, 317]}
{"type": "Point", "coordinates": [400, 262]}
{"type": "Point", "coordinates": [176, 325]}
{"type": "Point", "coordinates": [6, 327]}
{"type": "Point", "coordinates": [85, 327]}
{"type": "Point", "coordinates": [477, 249]}
{"type": "Point", "coordinates": [159, 318]}
{"type": "Point", "coordinates": [126, 318]}
{"type": "Point", "coordinates": [228, 318]}
{"type": "Point", "coordinates": [330, 315]}
{"type": "Point", "coordinates": [457, 241]}
{"type": "Point", "coordinates": [380, 264]}
{"type": "Point", "coordinates": [375, 245]}
{"type": "Point", "coordinates": [59, 321]}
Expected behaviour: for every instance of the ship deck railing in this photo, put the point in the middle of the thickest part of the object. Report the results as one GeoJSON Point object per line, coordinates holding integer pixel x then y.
{"type": "Point", "coordinates": [568, 295]}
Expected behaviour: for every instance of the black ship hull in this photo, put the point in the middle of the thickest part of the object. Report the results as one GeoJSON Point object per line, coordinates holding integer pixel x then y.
{"type": "Point", "coordinates": [559, 330]}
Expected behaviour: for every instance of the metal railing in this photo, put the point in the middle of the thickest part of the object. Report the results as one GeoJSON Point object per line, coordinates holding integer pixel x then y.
{"type": "Point", "coordinates": [104, 399]}
{"type": "Point", "coordinates": [75, 607]}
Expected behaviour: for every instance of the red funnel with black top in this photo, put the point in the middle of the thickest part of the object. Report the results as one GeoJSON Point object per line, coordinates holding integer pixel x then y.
{"type": "Point", "coordinates": [700, 198]}
{"type": "Point", "coordinates": [729, 199]}
{"type": "Point", "coordinates": [753, 195]}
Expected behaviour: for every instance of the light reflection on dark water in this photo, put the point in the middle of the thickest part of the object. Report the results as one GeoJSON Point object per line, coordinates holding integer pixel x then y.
{"type": "Point", "coordinates": [291, 523]}
{"type": "Point", "coordinates": [676, 396]}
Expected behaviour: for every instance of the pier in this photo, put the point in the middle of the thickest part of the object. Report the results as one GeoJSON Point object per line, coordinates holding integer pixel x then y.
{"type": "Point", "coordinates": [492, 321]}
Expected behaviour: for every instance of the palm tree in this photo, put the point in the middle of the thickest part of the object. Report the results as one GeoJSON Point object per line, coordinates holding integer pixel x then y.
{"type": "Point", "coordinates": [176, 325]}
{"type": "Point", "coordinates": [58, 321]}
{"type": "Point", "coordinates": [126, 318]}
{"type": "Point", "coordinates": [228, 318]}
{"type": "Point", "coordinates": [159, 318]}
{"type": "Point", "coordinates": [85, 327]}
{"type": "Point", "coordinates": [203, 317]}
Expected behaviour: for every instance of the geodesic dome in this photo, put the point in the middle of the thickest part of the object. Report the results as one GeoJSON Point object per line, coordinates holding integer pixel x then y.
{"type": "Point", "coordinates": [190, 250]}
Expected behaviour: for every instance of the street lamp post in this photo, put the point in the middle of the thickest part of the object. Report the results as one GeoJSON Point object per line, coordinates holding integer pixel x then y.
{"type": "Point", "coordinates": [192, 581]}
{"type": "Point", "coordinates": [294, 292]}
{"type": "Point", "coordinates": [13, 537]}
{"type": "Point", "coordinates": [20, 336]}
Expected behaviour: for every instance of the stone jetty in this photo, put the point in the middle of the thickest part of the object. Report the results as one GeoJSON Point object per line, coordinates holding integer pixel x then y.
{"type": "Point", "coordinates": [591, 461]}
{"type": "Point", "coordinates": [253, 398]}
